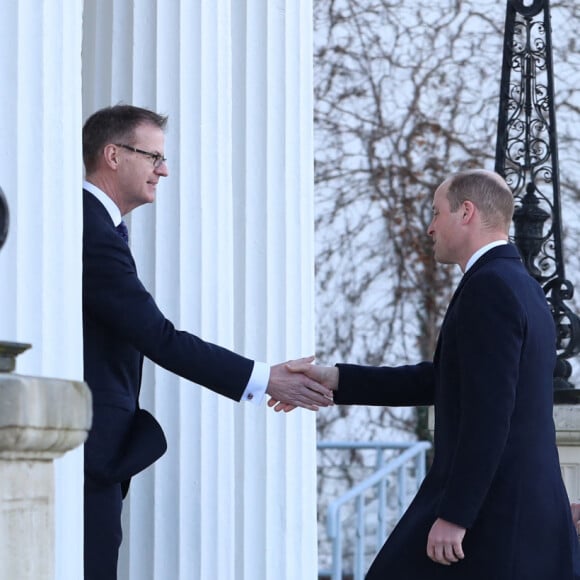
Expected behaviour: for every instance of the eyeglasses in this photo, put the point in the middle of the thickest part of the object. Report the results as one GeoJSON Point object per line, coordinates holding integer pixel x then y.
{"type": "Point", "coordinates": [157, 158]}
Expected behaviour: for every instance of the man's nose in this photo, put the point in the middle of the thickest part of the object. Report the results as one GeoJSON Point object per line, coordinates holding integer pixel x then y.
{"type": "Point", "coordinates": [162, 170]}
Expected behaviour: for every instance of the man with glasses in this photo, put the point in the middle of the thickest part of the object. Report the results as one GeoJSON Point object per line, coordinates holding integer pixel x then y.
{"type": "Point", "coordinates": [124, 161]}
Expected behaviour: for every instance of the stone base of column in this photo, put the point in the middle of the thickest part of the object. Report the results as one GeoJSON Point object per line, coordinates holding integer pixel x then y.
{"type": "Point", "coordinates": [26, 519]}
{"type": "Point", "coordinates": [40, 419]}
{"type": "Point", "coordinates": [567, 421]}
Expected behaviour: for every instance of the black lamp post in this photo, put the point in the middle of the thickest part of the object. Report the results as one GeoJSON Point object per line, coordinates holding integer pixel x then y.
{"type": "Point", "coordinates": [527, 156]}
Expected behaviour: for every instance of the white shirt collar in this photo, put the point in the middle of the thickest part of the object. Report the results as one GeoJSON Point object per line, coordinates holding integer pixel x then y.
{"type": "Point", "coordinates": [482, 251]}
{"type": "Point", "coordinates": [109, 204]}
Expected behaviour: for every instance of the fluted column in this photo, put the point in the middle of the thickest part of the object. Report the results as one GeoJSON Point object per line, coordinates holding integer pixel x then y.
{"type": "Point", "coordinates": [41, 173]}
{"type": "Point", "coordinates": [227, 250]}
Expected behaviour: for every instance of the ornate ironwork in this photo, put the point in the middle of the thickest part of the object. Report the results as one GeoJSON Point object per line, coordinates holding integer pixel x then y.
{"type": "Point", "coordinates": [527, 156]}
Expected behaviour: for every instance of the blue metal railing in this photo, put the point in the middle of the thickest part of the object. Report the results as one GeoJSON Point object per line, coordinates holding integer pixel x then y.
{"type": "Point", "coordinates": [411, 452]}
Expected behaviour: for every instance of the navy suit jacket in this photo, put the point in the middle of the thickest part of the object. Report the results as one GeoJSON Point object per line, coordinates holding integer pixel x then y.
{"type": "Point", "coordinates": [496, 469]}
{"type": "Point", "coordinates": [121, 325]}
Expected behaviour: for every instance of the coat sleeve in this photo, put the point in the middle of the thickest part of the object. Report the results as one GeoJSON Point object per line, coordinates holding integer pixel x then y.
{"type": "Point", "coordinates": [490, 325]}
{"type": "Point", "coordinates": [386, 386]}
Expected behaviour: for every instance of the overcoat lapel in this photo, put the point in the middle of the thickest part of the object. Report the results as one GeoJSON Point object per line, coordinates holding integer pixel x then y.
{"type": "Point", "coordinates": [505, 251]}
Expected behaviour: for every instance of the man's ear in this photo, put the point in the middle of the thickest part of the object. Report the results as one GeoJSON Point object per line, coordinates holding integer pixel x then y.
{"type": "Point", "coordinates": [111, 156]}
{"type": "Point", "coordinates": [468, 210]}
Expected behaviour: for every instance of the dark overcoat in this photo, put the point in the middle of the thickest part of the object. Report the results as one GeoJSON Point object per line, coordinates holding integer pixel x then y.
{"type": "Point", "coordinates": [495, 469]}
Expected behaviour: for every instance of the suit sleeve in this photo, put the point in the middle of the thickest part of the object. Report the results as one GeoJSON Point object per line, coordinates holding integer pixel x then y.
{"type": "Point", "coordinates": [114, 295]}
{"type": "Point", "coordinates": [490, 330]}
{"type": "Point", "coordinates": [386, 386]}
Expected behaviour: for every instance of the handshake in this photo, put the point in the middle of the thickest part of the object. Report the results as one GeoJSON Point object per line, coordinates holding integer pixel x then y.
{"type": "Point", "coordinates": [299, 383]}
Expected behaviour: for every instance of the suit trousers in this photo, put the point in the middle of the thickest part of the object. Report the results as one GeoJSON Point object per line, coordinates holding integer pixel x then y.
{"type": "Point", "coordinates": [103, 534]}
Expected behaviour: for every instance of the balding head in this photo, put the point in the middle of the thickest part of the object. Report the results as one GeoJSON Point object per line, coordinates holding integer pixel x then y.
{"type": "Point", "coordinates": [490, 194]}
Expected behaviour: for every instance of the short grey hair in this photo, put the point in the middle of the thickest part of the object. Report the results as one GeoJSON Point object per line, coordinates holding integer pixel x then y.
{"type": "Point", "coordinates": [488, 191]}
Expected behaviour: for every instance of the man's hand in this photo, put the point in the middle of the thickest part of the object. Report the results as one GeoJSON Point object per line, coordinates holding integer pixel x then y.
{"type": "Point", "coordinates": [326, 376]}
{"type": "Point", "coordinates": [290, 388]}
{"type": "Point", "coordinates": [444, 542]}
{"type": "Point", "coordinates": [575, 507]}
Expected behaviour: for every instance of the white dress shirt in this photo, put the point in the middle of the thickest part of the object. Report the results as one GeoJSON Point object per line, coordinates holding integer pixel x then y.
{"type": "Point", "coordinates": [482, 251]}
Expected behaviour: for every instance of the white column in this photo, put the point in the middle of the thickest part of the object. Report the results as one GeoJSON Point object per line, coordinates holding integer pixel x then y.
{"type": "Point", "coordinates": [227, 250]}
{"type": "Point", "coordinates": [40, 266]}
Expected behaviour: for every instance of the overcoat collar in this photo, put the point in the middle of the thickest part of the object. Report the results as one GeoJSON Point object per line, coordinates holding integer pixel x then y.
{"type": "Point", "coordinates": [508, 251]}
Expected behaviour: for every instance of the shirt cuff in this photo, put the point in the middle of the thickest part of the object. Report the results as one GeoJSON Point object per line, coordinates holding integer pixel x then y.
{"type": "Point", "coordinates": [258, 383]}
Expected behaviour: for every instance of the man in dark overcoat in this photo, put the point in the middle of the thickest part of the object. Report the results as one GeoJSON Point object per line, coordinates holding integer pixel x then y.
{"type": "Point", "coordinates": [493, 505]}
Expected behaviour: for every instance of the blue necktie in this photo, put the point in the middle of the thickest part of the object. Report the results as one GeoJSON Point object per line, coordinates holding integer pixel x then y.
{"type": "Point", "coordinates": [123, 231]}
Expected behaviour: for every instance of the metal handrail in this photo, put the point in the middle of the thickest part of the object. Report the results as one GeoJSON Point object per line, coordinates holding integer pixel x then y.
{"type": "Point", "coordinates": [413, 452]}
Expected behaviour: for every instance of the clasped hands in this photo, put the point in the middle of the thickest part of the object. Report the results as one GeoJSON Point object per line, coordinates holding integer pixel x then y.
{"type": "Point", "coordinates": [299, 383]}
